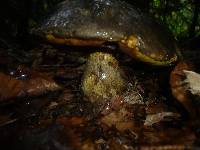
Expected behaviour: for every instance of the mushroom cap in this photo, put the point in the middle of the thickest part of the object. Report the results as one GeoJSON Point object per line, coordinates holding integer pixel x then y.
{"type": "Point", "coordinates": [100, 22]}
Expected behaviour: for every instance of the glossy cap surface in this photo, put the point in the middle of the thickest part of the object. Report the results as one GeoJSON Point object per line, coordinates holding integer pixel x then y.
{"type": "Point", "coordinates": [95, 22]}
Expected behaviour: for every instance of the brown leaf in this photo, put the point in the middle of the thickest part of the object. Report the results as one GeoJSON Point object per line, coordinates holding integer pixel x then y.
{"type": "Point", "coordinates": [124, 118]}
{"type": "Point", "coordinates": [179, 91]}
{"type": "Point", "coordinates": [36, 84]}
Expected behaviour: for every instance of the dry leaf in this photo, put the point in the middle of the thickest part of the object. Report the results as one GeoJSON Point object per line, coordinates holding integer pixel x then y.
{"type": "Point", "coordinates": [36, 84]}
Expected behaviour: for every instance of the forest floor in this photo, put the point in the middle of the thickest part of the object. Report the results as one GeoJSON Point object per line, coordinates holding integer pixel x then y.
{"type": "Point", "coordinates": [42, 105]}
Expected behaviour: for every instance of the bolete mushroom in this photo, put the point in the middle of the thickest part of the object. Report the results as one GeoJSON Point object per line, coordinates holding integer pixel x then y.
{"type": "Point", "coordinates": [103, 23]}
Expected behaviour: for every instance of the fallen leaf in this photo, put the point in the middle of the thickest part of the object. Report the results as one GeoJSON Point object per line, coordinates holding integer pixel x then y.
{"type": "Point", "coordinates": [36, 84]}
{"type": "Point", "coordinates": [179, 90]}
{"type": "Point", "coordinates": [193, 82]}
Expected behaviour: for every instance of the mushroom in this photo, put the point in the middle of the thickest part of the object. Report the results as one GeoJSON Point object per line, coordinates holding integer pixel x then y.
{"type": "Point", "coordinates": [104, 24]}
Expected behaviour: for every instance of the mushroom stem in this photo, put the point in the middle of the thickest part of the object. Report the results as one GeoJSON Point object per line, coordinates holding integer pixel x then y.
{"type": "Point", "coordinates": [103, 79]}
